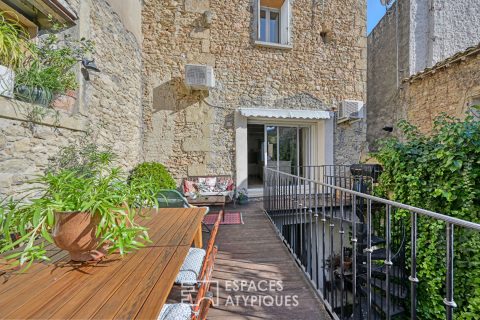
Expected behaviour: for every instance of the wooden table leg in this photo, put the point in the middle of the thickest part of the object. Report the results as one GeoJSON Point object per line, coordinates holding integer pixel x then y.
{"type": "Point", "coordinates": [197, 240]}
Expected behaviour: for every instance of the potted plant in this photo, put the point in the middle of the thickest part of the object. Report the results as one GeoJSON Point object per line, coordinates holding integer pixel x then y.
{"type": "Point", "coordinates": [242, 196]}
{"type": "Point", "coordinates": [48, 72]}
{"type": "Point", "coordinates": [12, 44]}
{"type": "Point", "coordinates": [86, 210]}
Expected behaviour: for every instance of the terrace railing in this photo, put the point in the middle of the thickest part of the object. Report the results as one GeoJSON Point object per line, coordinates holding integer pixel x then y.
{"type": "Point", "coordinates": [351, 244]}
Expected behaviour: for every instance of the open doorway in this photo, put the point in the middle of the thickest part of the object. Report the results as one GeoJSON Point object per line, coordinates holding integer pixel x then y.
{"type": "Point", "coordinates": [256, 135]}
{"type": "Point", "coordinates": [287, 149]}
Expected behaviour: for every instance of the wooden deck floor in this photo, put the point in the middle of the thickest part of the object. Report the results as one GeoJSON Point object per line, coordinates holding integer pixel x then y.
{"type": "Point", "coordinates": [253, 252]}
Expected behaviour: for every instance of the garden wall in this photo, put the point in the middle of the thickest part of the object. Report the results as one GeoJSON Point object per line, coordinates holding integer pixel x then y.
{"type": "Point", "coordinates": [450, 87]}
{"type": "Point", "coordinates": [108, 106]}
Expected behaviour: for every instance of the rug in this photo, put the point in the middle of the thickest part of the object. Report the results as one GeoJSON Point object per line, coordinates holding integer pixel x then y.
{"type": "Point", "coordinates": [228, 218]}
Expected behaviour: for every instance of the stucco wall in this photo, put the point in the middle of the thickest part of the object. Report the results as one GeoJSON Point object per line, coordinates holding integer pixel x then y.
{"type": "Point", "coordinates": [441, 28]}
{"type": "Point", "coordinates": [108, 106]}
{"type": "Point", "coordinates": [192, 134]}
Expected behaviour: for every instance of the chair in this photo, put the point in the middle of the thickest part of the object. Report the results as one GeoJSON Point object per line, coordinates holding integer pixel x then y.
{"type": "Point", "coordinates": [169, 198]}
{"type": "Point", "coordinates": [172, 199]}
{"type": "Point", "coordinates": [203, 300]}
{"type": "Point", "coordinates": [195, 265]}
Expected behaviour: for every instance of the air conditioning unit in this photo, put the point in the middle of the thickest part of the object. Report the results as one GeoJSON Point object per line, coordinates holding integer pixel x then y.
{"type": "Point", "coordinates": [350, 110]}
{"type": "Point", "coordinates": [199, 77]}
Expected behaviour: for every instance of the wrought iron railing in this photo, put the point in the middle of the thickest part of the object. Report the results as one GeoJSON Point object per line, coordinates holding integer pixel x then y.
{"type": "Point", "coordinates": [351, 244]}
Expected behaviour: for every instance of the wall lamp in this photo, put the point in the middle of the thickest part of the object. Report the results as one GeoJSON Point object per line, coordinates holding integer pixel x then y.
{"type": "Point", "coordinates": [387, 129]}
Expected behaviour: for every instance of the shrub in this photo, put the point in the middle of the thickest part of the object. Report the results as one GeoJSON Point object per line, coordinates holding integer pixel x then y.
{"type": "Point", "coordinates": [439, 172]}
{"type": "Point", "coordinates": [156, 172]}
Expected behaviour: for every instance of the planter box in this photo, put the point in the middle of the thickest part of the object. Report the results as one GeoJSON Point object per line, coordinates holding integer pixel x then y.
{"type": "Point", "coordinates": [65, 102]}
{"type": "Point", "coordinates": [7, 81]}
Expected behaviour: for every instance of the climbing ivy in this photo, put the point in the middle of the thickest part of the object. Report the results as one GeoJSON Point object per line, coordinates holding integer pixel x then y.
{"type": "Point", "coordinates": [439, 172]}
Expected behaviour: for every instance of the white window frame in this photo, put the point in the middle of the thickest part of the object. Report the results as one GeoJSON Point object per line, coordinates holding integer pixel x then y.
{"type": "Point", "coordinates": [285, 25]}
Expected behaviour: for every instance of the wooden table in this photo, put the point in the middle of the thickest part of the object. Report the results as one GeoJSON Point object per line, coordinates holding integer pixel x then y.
{"type": "Point", "coordinates": [135, 286]}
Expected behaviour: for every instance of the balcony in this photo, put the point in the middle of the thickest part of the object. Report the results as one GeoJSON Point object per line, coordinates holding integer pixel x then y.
{"type": "Point", "coordinates": [358, 251]}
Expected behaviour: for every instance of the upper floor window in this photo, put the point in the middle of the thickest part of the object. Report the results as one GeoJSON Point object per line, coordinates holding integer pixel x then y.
{"type": "Point", "coordinates": [273, 19]}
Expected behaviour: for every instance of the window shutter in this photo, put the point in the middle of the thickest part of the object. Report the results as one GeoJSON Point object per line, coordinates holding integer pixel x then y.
{"type": "Point", "coordinates": [285, 22]}
{"type": "Point", "coordinates": [256, 19]}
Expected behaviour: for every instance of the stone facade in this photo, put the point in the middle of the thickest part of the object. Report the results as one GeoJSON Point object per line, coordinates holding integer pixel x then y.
{"type": "Point", "coordinates": [108, 107]}
{"type": "Point", "coordinates": [140, 106]}
{"type": "Point", "coordinates": [194, 132]}
{"type": "Point", "coordinates": [428, 32]}
{"type": "Point", "coordinates": [451, 87]}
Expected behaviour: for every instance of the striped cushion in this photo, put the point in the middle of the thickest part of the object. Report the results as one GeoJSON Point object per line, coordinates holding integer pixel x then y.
{"type": "Point", "coordinates": [177, 311]}
{"type": "Point", "coordinates": [191, 267]}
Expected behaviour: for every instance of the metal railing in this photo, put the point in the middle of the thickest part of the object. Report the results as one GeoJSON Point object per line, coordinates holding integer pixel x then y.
{"type": "Point", "coordinates": [352, 245]}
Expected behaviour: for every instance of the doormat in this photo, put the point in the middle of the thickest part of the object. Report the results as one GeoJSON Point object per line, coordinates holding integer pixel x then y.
{"type": "Point", "coordinates": [228, 218]}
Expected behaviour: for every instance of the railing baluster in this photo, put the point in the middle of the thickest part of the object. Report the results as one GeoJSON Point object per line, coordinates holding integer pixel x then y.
{"type": "Point", "coordinates": [413, 275]}
{"type": "Point", "coordinates": [369, 251]}
{"type": "Point", "coordinates": [324, 221]}
{"type": "Point", "coordinates": [448, 301]}
{"type": "Point", "coordinates": [388, 260]}
{"type": "Point", "coordinates": [342, 257]}
{"type": "Point", "coordinates": [332, 226]}
{"type": "Point", "coordinates": [316, 236]}
{"type": "Point", "coordinates": [354, 254]}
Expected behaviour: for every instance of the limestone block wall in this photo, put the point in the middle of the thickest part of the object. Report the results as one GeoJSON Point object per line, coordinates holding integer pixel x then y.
{"type": "Point", "coordinates": [108, 107]}
{"type": "Point", "coordinates": [451, 90]}
{"type": "Point", "coordinates": [193, 132]}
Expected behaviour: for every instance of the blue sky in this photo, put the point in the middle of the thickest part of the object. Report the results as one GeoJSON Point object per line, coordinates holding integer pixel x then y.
{"type": "Point", "coordinates": [375, 12]}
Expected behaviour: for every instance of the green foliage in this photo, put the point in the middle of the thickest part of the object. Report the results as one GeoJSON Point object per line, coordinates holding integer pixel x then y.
{"type": "Point", "coordinates": [12, 42]}
{"type": "Point", "coordinates": [48, 68]}
{"type": "Point", "coordinates": [90, 185]}
{"type": "Point", "coordinates": [153, 171]}
{"type": "Point", "coordinates": [440, 172]}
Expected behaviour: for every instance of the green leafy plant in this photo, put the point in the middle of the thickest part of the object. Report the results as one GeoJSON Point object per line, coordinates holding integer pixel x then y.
{"type": "Point", "coordinates": [155, 172]}
{"type": "Point", "coordinates": [12, 42]}
{"type": "Point", "coordinates": [48, 68]}
{"type": "Point", "coordinates": [91, 187]}
{"type": "Point", "coordinates": [242, 195]}
{"type": "Point", "coordinates": [440, 172]}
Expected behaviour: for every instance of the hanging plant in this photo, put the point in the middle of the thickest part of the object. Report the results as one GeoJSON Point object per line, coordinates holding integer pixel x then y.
{"type": "Point", "coordinates": [48, 69]}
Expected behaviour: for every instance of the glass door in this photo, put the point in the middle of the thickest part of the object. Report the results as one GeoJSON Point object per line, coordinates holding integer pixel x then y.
{"type": "Point", "coordinates": [287, 148]}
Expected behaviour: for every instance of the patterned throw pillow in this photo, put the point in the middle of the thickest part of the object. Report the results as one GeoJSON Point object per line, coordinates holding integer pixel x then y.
{"type": "Point", "coordinates": [189, 187]}
{"type": "Point", "coordinates": [207, 184]}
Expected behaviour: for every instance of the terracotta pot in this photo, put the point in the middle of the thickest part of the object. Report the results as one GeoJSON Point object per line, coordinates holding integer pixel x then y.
{"type": "Point", "coordinates": [75, 233]}
{"type": "Point", "coordinates": [65, 102]}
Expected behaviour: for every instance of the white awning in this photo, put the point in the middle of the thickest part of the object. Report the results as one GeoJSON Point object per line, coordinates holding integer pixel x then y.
{"type": "Point", "coordinates": [284, 113]}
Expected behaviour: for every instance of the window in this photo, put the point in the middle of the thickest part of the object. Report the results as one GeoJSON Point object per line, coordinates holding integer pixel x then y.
{"type": "Point", "coordinates": [273, 22]}
{"type": "Point", "coordinates": [269, 25]}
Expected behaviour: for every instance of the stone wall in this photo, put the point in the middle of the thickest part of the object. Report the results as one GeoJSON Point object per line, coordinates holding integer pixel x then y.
{"type": "Point", "coordinates": [383, 78]}
{"type": "Point", "coordinates": [450, 89]}
{"type": "Point", "coordinates": [193, 132]}
{"type": "Point", "coordinates": [108, 106]}
{"type": "Point", "coordinates": [428, 32]}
